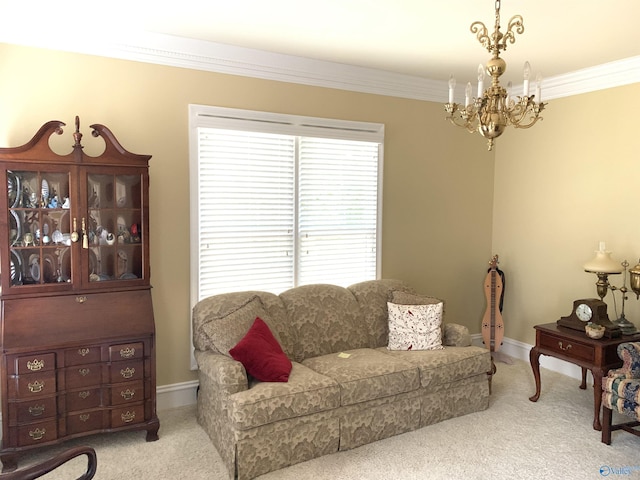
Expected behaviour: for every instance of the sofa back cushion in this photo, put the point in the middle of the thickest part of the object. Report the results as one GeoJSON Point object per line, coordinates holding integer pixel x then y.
{"type": "Point", "coordinates": [220, 321]}
{"type": "Point", "coordinates": [372, 296]}
{"type": "Point", "coordinates": [326, 319]}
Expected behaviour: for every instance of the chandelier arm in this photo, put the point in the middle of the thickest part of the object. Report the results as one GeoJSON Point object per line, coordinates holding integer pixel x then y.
{"type": "Point", "coordinates": [517, 113]}
{"type": "Point", "coordinates": [462, 117]}
{"type": "Point", "coordinates": [533, 120]}
{"type": "Point", "coordinates": [526, 109]}
{"type": "Point", "coordinates": [528, 125]}
{"type": "Point", "coordinates": [482, 34]}
{"type": "Point", "coordinates": [515, 23]}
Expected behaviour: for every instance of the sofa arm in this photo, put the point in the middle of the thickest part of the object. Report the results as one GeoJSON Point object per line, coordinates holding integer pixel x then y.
{"type": "Point", "coordinates": [630, 354]}
{"type": "Point", "coordinates": [456, 335]}
{"type": "Point", "coordinates": [228, 374]}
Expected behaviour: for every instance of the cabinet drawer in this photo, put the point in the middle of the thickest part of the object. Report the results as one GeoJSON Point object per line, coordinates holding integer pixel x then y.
{"type": "Point", "coordinates": [126, 351]}
{"type": "Point", "coordinates": [126, 371]}
{"type": "Point", "coordinates": [82, 355]}
{"type": "Point", "coordinates": [83, 399]}
{"type": "Point", "coordinates": [83, 375]}
{"type": "Point", "coordinates": [128, 415]}
{"type": "Point", "coordinates": [35, 433]}
{"type": "Point", "coordinates": [569, 348]}
{"type": "Point", "coordinates": [35, 384]}
{"type": "Point", "coordinates": [44, 362]}
{"type": "Point", "coordinates": [32, 410]}
{"type": "Point", "coordinates": [127, 392]}
{"type": "Point", "coordinates": [85, 421]}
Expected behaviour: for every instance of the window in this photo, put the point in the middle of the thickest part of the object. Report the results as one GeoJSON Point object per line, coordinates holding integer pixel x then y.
{"type": "Point", "coordinates": [279, 201]}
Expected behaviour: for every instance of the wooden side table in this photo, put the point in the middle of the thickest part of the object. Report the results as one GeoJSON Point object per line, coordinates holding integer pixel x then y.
{"type": "Point", "coordinates": [575, 347]}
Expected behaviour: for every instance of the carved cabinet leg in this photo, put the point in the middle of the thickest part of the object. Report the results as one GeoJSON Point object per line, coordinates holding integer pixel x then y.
{"type": "Point", "coordinates": [9, 462]}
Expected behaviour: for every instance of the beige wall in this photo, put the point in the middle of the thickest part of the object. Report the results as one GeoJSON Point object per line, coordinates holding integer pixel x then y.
{"type": "Point", "coordinates": [438, 180]}
{"type": "Point", "coordinates": [560, 188]}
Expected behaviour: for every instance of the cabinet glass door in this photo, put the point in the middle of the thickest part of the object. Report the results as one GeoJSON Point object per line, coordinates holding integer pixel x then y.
{"type": "Point", "coordinates": [39, 227]}
{"type": "Point", "coordinates": [114, 237]}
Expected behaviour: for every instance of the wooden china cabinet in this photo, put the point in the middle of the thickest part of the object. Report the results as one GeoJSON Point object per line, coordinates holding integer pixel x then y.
{"type": "Point", "coordinates": [77, 327]}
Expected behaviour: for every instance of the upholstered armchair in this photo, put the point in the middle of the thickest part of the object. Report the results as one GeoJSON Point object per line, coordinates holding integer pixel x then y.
{"type": "Point", "coordinates": [621, 392]}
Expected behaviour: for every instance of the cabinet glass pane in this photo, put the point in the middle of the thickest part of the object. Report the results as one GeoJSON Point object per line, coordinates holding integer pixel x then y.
{"type": "Point", "coordinates": [114, 227]}
{"type": "Point", "coordinates": [39, 227]}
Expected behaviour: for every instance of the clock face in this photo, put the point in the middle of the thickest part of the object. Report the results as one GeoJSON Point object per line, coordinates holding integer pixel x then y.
{"type": "Point", "coordinates": [583, 312]}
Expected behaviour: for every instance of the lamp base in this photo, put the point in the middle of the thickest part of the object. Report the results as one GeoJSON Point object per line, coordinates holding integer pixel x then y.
{"type": "Point", "coordinates": [626, 327]}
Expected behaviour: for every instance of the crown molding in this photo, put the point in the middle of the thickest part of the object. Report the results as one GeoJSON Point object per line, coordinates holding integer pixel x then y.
{"type": "Point", "coordinates": [228, 59]}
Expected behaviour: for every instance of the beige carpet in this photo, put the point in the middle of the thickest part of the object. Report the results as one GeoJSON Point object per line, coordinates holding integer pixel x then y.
{"type": "Point", "coordinates": [513, 439]}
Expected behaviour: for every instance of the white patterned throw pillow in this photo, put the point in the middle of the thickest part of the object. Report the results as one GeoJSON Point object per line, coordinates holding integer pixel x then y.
{"type": "Point", "coordinates": [415, 327]}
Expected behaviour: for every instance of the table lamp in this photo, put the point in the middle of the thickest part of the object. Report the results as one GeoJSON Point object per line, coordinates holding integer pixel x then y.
{"type": "Point", "coordinates": [603, 266]}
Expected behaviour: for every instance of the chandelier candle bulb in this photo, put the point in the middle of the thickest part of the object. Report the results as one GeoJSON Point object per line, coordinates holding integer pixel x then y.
{"type": "Point", "coordinates": [467, 95]}
{"type": "Point", "coordinates": [539, 87]}
{"type": "Point", "coordinates": [527, 72]}
{"type": "Point", "coordinates": [480, 80]}
{"type": "Point", "coordinates": [452, 86]}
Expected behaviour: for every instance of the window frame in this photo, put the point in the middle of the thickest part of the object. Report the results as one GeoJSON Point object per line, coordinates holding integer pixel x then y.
{"type": "Point", "coordinates": [268, 122]}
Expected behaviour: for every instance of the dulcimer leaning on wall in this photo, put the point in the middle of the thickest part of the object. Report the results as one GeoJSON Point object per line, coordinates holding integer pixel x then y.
{"type": "Point", "coordinates": [492, 323]}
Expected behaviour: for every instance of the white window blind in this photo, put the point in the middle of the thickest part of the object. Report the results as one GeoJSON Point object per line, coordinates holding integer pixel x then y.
{"type": "Point", "coordinates": [338, 209]}
{"type": "Point", "coordinates": [246, 210]}
{"type": "Point", "coordinates": [279, 201]}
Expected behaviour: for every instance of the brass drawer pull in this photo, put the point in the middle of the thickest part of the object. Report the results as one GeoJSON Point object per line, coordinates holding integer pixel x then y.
{"type": "Point", "coordinates": [36, 386]}
{"type": "Point", "coordinates": [84, 417]}
{"type": "Point", "coordinates": [37, 434]}
{"type": "Point", "coordinates": [83, 352]}
{"type": "Point", "coordinates": [127, 352]}
{"type": "Point", "coordinates": [84, 395]}
{"type": "Point", "coordinates": [36, 365]}
{"type": "Point", "coordinates": [128, 394]}
{"type": "Point", "coordinates": [128, 417]}
{"type": "Point", "coordinates": [128, 372]}
{"type": "Point", "coordinates": [81, 299]}
{"type": "Point", "coordinates": [568, 347]}
{"type": "Point", "coordinates": [84, 371]}
{"type": "Point", "coordinates": [36, 410]}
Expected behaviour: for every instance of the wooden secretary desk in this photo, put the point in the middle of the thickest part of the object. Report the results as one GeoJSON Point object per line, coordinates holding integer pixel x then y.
{"type": "Point", "coordinates": [77, 326]}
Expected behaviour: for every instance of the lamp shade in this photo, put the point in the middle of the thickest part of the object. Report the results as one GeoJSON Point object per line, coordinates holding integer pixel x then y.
{"type": "Point", "coordinates": [603, 263]}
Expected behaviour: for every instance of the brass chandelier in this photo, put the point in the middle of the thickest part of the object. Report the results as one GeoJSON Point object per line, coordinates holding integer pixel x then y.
{"type": "Point", "coordinates": [495, 109]}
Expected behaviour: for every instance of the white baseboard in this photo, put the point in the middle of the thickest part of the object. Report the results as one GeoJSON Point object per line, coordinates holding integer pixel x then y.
{"type": "Point", "coordinates": [176, 395]}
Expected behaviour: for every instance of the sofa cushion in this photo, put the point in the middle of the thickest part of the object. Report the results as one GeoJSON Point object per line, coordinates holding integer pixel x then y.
{"type": "Point", "coordinates": [326, 319]}
{"type": "Point", "coordinates": [455, 335]}
{"type": "Point", "coordinates": [211, 310]}
{"type": "Point", "coordinates": [406, 298]}
{"type": "Point", "coordinates": [372, 296]}
{"type": "Point", "coordinates": [365, 374]}
{"type": "Point", "coordinates": [415, 327]}
{"type": "Point", "coordinates": [261, 354]}
{"type": "Point", "coordinates": [305, 393]}
{"type": "Point", "coordinates": [439, 367]}
{"type": "Point", "coordinates": [227, 329]}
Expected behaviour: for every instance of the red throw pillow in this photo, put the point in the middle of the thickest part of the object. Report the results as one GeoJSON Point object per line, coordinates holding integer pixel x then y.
{"type": "Point", "coordinates": [261, 354]}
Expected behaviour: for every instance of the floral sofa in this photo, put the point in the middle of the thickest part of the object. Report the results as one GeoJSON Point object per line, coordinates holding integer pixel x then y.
{"type": "Point", "coordinates": [345, 387]}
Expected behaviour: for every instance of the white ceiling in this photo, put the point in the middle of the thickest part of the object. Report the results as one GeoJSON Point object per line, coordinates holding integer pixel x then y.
{"type": "Point", "coordinates": [421, 38]}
